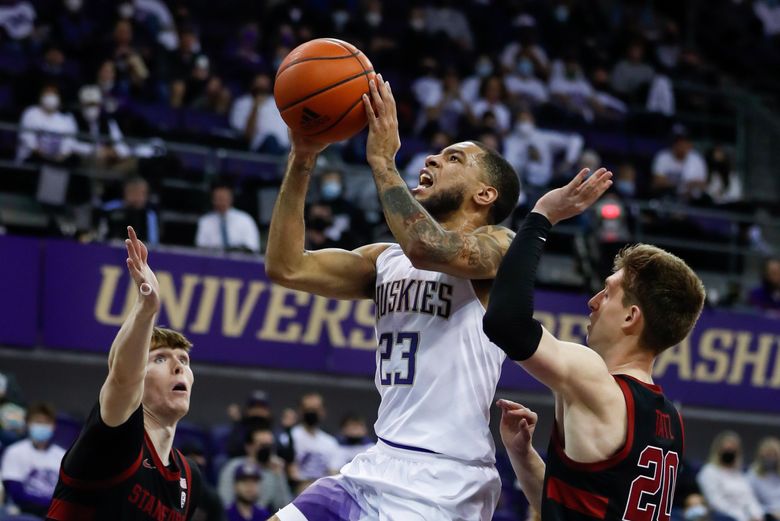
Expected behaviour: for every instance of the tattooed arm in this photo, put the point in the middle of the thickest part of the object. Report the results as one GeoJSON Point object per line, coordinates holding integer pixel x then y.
{"type": "Point", "coordinates": [472, 255]}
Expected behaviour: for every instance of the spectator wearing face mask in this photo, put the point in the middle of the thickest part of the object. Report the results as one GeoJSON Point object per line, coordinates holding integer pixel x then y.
{"type": "Point", "coordinates": [348, 227]}
{"type": "Point", "coordinates": [724, 485]}
{"type": "Point", "coordinates": [353, 439]}
{"type": "Point", "coordinates": [314, 448]}
{"type": "Point", "coordinates": [258, 120]}
{"type": "Point", "coordinates": [30, 467]}
{"type": "Point", "coordinates": [764, 476]}
{"type": "Point", "coordinates": [695, 509]}
{"type": "Point", "coordinates": [47, 134]}
{"type": "Point", "coordinates": [99, 134]}
{"type": "Point", "coordinates": [259, 451]}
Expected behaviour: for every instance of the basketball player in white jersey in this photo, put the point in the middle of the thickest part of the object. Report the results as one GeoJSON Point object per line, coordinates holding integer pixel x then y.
{"type": "Point", "coordinates": [436, 371]}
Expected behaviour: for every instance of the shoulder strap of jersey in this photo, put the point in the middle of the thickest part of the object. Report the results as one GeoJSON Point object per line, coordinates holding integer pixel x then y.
{"type": "Point", "coordinates": [185, 465]}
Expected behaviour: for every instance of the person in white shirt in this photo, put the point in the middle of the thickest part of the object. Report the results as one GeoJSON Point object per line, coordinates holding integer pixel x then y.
{"type": "Point", "coordinates": [723, 483]}
{"type": "Point", "coordinates": [764, 475]}
{"type": "Point", "coordinates": [258, 120]}
{"type": "Point", "coordinates": [492, 98]}
{"type": "Point", "coordinates": [314, 448]}
{"type": "Point", "coordinates": [46, 133]}
{"type": "Point", "coordinates": [569, 87]}
{"type": "Point", "coordinates": [227, 228]}
{"type": "Point", "coordinates": [30, 467]}
{"type": "Point", "coordinates": [680, 169]}
{"type": "Point", "coordinates": [353, 440]}
{"type": "Point", "coordinates": [523, 86]}
{"type": "Point", "coordinates": [531, 151]}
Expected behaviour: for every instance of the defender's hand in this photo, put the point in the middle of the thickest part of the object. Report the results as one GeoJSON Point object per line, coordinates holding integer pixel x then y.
{"type": "Point", "coordinates": [137, 266]}
{"type": "Point", "coordinates": [574, 198]}
{"type": "Point", "coordinates": [517, 427]}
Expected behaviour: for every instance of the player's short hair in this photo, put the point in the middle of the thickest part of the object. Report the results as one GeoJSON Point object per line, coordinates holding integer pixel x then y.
{"type": "Point", "coordinates": [665, 288]}
{"type": "Point", "coordinates": [502, 177]}
{"type": "Point", "coordinates": [164, 337]}
{"type": "Point", "coordinates": [41, 408]}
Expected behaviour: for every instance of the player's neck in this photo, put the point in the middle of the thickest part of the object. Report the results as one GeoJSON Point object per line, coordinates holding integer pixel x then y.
{"type": "Point", "coordinates": [161, 433]}
{"type": "Point", "coordinates": [632, 361]}
{"type": "Point", "coordinates": [462, 221]}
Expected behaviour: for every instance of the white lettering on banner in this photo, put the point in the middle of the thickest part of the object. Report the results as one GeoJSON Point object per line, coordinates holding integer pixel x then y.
{"type": "Point", "coordinates": [717, 356]}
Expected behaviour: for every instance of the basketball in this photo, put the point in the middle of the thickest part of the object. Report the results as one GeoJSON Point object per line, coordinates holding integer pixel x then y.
{"type": "Point", "coordinates": [319, 88]}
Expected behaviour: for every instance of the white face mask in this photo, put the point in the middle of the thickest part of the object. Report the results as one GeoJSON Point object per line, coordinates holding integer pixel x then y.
{"type": "Point", "coordinates": [50, 102]}
{"type": "Point", "coordinates": [91, 113]}
{"type": "Point", "coordinates": [126, 10]}
{"type": "Point", "coordinates": [73, 5]}
{"type": "Point", "coordinates": [525, 128]}
{"type": "Point", "coordinates": [695, 512]}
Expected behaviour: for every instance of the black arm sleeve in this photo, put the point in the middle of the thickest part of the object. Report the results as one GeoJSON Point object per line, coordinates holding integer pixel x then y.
{"type": "Point", "coordinates": [101, 452]}
{"type": "Point", "coordinates": [509, 321]}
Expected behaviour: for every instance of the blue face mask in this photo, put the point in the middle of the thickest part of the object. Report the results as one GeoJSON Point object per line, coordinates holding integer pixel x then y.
{"type": "Point", "coordinates": [626, 188]}
{"type": "Point", "coordinates": [331, 190]}
{"type": "Point", "coordinates": [695, 512]}
{"type": "Point", "coordinates": [40, 432]}
{"type": "Point", "coordinates": [525, 67]}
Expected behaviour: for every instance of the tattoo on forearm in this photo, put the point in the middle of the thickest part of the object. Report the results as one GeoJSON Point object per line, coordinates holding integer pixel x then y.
{"type": "Point", "coordinates": [483, 251]}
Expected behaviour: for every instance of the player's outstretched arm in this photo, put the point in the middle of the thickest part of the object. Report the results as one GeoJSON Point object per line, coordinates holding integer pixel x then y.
{"type": "Point", "coordinates": [332, 273]}
{"type": "Point", "coordinates": [121, 393]}
{"type": "Point", "coordinates": [569, 369]}
{"type": "Point", "coordinates": [517, 430]}
{"type": "Point", "coordinates": [472, 255]}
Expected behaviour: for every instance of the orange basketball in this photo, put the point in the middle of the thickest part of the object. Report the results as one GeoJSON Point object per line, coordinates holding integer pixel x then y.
{"type": "Point", "coordinates": [319, 86]}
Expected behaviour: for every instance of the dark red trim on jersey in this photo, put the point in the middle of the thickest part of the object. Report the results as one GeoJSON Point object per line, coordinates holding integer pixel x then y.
{"type": "Point", "coordinates": [66, 511]}
{"type": "Point", "coordinates": [615, 458]}
{"type": "Point", "coordinates": [188, 475]}
{"type": "Point", "coordinates": [170, 475]}
{"type": "Point", "coordinates": [577, 499]}
{"type": "Point", "coordinates": [682, 434]}
{"type": "Point", "coordinates": [83, 484]}
{"type": "Point", "coordinates": [652, 387]}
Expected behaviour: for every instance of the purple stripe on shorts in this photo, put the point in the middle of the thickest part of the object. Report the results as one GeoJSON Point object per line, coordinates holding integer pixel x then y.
{"type": "Point", "coordinates": [407, 447]}
{"type": "Point", "coordinates": [326, 500]}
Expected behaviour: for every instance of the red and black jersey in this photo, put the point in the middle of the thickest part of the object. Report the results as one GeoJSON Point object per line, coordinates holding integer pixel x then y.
{"type": "Point", "coordinates": [635, 484]}
{"type": "Point", "coordinates": [115, 474]}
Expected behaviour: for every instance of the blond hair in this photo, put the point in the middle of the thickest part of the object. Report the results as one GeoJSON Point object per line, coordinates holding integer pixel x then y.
{"type": "Point", "coordinates": [770, 443]}
{"type": "Point", "coordinates": [164, 337]}
{"type": "Point", "coordinates": [666, 290]}
{"type": "Point", "coordinates": [717, 444]}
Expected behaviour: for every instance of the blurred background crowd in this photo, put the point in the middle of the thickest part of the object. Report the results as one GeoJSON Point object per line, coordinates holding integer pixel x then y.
{"type": "Point", "coordinates": [160, 114]}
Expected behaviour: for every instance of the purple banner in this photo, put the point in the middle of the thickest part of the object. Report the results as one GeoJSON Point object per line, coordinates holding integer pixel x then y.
{"type": "Point", "coordinates": [19, 290]}
{"type": "Point", "coordinates": [235, 316]}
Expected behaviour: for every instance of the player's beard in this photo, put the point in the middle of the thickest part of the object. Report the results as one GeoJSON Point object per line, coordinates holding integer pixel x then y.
{"type": "Point", "coordinates": [443, 203]}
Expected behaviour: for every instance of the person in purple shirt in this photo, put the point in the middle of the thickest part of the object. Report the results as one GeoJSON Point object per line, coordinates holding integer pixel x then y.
{"type": "Point", "coordinates": [767, 296]}
{"type": "Point", "coordinates": [247, 485]}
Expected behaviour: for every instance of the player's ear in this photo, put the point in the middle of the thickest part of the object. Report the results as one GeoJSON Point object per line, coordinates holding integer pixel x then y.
{"type": "Point", "coordinates": [486, 195]}
{"type": "Point", "coordinates": [632, 320]}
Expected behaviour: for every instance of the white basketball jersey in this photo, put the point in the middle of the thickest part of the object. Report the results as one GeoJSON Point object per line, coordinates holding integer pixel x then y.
{"type": "Point", "coordinates": [436, 371]}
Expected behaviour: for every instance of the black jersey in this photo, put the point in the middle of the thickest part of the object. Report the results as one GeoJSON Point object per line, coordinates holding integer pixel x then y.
{"type": "Point", "coordinates": [635, 484]}
{"type": "Point", "coordinates": [115, 474]}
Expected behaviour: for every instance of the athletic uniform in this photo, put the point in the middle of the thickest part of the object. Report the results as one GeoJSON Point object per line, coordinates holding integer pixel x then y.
{"type": "Point", "coordinates": [635, 484]}
{"type": "Point", "coordinates": [114, 473]}
{"type": "Point", "coordinates": [436, 373]}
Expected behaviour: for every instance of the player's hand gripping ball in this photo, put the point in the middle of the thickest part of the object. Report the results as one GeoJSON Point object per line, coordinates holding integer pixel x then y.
{"type": "Point", "coordinates": [318, 89]}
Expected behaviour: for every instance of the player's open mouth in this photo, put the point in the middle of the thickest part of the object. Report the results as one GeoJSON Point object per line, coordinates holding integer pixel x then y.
{"type": "Point", "coordinates": [180, 388]}
{"type": "Point", "coordinates": [426, 180]}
